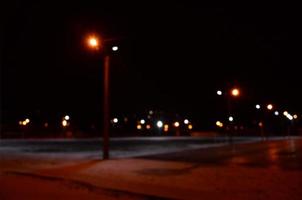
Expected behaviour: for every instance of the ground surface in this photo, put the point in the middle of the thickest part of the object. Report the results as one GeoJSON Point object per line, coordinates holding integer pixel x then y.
{"type": "Point", "coordinates": [270, 169]}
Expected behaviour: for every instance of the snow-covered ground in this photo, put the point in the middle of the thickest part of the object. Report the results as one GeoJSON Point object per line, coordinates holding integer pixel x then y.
{"type": "Point", "coordinates": [254, 170]}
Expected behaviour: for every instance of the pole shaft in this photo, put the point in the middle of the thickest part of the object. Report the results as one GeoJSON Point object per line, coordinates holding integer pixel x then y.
{"type": "Point", "coordinates": [106, 109]}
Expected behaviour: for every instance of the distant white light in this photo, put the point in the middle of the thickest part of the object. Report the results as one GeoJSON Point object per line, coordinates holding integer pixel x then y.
{"type": "Point", "coordinates": [186, 121]}
{"type": "Point", "coordinates": [115, 120]}
{"type": "Point", "coordinates": [295, 116]}
{"type": "Point", "coordinates": [114, 48]}
{"type": "Point", "coordinates": [231, 119]}
{"type": "Point", "coordinates": [142, 121]}
{"type": "Point", "coordinates": [27, 120]}
{"type": "Point", "coordinates": [269, 106]}
{"type": "Point", "coordinates": [285, 113]}
{"type": "Point", "coordinates": [66, 117]}
{"type": "Point", "coordinates": [276, 113]}
{"type": "Point", "coordinates": [219, 92]}
{"type": "Point", "coordinates": [176, 124]}
{"type": "Point", "coordinates": [159, 124]}
{"type": "Point", "coordinates": [290, 117]}
{"type": "Point", "coordinates": [151, 112]}
{"type": "Point", "coordinates": [258, 106]}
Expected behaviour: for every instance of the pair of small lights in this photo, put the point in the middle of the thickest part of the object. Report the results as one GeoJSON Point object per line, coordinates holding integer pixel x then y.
{"type": "Point", "coordinates": [219, 124]}
{"type": "Point", "coordinates": [65, 120]}
{"type": "Point", "coordinates": [94, 43]}
{"type": "Point", "coordinates": [289, 116]}
{"type": "Point", "coordinates": [25, 122]}
{"type": "Point", "coordinates": [234, 92]}
{"type": "Point", "coordinates": [269, 106]}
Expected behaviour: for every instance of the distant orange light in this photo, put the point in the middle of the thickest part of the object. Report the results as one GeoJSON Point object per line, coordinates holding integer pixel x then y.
{"type": "Point", "coordinates": [260, 124]}
{"type": "Point", "coordinates": [64, 123]}
{"type": "Point", "coordinates": [166, 127]}
{"type": "Point", "coordinates": [93, 42]}
{"type": "Point", "coordinates": [190, 127]}
{"type": "Point", "coordinates": [139, 127]}
{"type": "Point", "coordinates": [235, 92]}
{"type": "Point", "coordinates": [219, 124]}
{"type": "Point", "coordinates": [148, 126]}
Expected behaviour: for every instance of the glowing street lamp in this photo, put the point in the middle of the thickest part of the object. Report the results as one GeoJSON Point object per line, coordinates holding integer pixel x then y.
{"type": "Point", "coordinates": [235, 92]}
{"type": "Point", "coordinates": [258, 106]}
{"type": "Point", "coordinates": [94, 43]}
{"type": "Point", "coordinates": [219, 124]}
{"type": "Point", "coordinates": [176, 124]}
{"type": "Point", "coordinates": [269, 106]}
{"type": "Point", "coordinates": [285, 113]}
{"type": "Point", "coordinates": [115, 120]}
{"type": "Point", "coordinates": [219, 92]}
{"type": "Point", "coordinates": [114, 48]}
{"type": "Point", "coordinates": [139, 127]}
{"type": "Point", "coordinates": [64, 123]}
{"type": "Point", "coordinates": [231, 119]}
{"type": "Point", "coordinates": [159, 124]}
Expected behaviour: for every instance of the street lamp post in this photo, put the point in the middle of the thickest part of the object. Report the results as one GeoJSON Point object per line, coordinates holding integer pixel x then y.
{"type": "Point", "coordinates": [233, 93]}
{"type": "Point", "coordinates": [106, 110]}
{"type": "Point", "coordinates": [93, 42]}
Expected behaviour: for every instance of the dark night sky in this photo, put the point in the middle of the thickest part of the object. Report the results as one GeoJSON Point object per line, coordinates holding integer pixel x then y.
{"type": "Point", "coordinates": [172, 55]}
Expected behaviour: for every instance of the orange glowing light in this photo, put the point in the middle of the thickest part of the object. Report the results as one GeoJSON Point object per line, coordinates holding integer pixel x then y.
{"type": "Point", "coordinates": [260, 124]}
{"type": "Point", "coordinates": [166, 127]}
{"type": "Point", "coordinates": [93, 42]}
{"type": "Point", "coordinates": [64, 123]}
{"type": "Point", "coordinates": [219, 124]}
{"type": "Point", "coordinates": [235, 92]}
{"type": "Point", "coordinates": [139, 127]}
